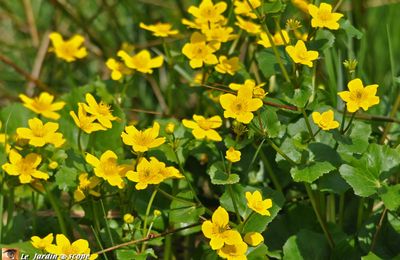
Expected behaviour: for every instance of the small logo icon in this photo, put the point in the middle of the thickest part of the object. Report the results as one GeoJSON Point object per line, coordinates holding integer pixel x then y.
{"type": "Point", "coordinates": [9, 254]}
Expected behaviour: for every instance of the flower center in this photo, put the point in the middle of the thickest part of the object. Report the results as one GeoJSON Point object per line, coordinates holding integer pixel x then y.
{"type": "Point", "coordinates": [103, 109]}
{"type": "Point", "coordinates": [205, 124]}
{"type": "Point", "coordinates": [324, 15]}
{"type": "Point", "coordinates": [40, 105]}
{"type": "Point", "coordinates": [67, 49]}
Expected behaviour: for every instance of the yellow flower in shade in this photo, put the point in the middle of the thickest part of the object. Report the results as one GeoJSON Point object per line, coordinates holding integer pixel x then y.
{"type": "Point", "coordinates": [248, 26]}
{"type": "Point", "coordinates": [53, 165]}
{"type": "Point", "coordinates": [42, 243]}
{"type": "Point", "coordinates": [43, 105]}
{"type": "Point", "coordinates": [86, 185]}
{"type": "Point", "coordinates": [199, 52]}
{"type": "Point", "coordinates": [156, 213]}
{"type": "Point", "coordinates": [170, 128]}
{"type": "Point", "coordinates": [279, 38]}
{"type": "Point", "coordinates": [128, 218]}
{"type": "Point", "coordinates": [300, 54]}
{"type": "Point", "coordinates": [203, 128]}
{"type": "Point", "coordinates": [24, 167]}
{"type": "Point", "coordinates": [256, 203]}
{"type": "Point", "coordinates": [108, 169]}
{"type": "Point", "coordinates": [359, 96]}
{"type": "Point", "coordinates": [226, 65]}
{"type": "Point", "coordinates": [207, 12]}
{"type": "Point", "coordinates": [258, 91]}
{"type": "Point", "coordinates": [101, 111]}
{"type": "Point", "coordinates": [233, 155]}
{"type": "Point", "coordinates": [325, 121]}
{"type": "Point", "coordinates": [159, 29]}
{"type": "Point", "coordinates": [142, 141]}
{"type": "Point", "coordinates": [234, 252]}
{"type": "Point", "coordinates": [253, 238]}
{"type": "Point", "coordinates": [142, 61]}
{"type": "Point", "coordinates": [64, 247]}
{"type": "Point", "coordinates": [218, 33]}
{"type": "Point", "coordinates": [240, 107]}
{"type": "Point", "coordinates": [151, 172]}
{"type": "Point", "coordinates": [218, 230]}
{"type": "Point", "coordinates": [244, 8]}
{"type": "Point", "coordinates": [118, 69]}
{"type": "Point", "coordinates": [40, 134]}
{"type": "Point", "coordinates": [301, 4]}
{"type": "Point", "coordinates": [69, 50]}
{"type": "Point", "coordinates": [85, 122]}
{"type": "Point", "coordinates": [323, 17]}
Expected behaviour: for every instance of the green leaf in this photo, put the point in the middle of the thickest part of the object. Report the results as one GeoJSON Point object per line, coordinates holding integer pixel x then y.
{"type": "Point", "coordinates": [267, 62]}
{"type": "Point", "coordinates": [363, 182]}
{"type": "Point", "coordinates": [258, 252]}
{"type": "Point", "coordinates": [132, 254]}
{"type": "Point", "coordinates": [357, 141]}
{"type": "Point", "coordinates": [390, 196]}
{"type": "Point", "coordinates": [220, 177]}
{"type": "Point", "coordinates": [311, 172]}
{"type": "Point", "coordinates": [14, 116]}
{"type": "Point", "coordinates": [227, 203]}
{"type": "Point", "coordinates": [350, 30]}
{"type": "Point", "coordinates": [23, 247]}
{"type": "Point", "coordinates": [306, 245]}
{"type": "Point", "coordinates": [269, 122]}
{"type": "Point", "coordinates": [371, 256]}
{"type": "Point", "coordinates": [333, 182]}
{"type": "Point", "coordinates": [300, 96]}
{"type": "Point", "coordinates": [66, 178]}
{"type": "Point", "coordinates": [274, 6]}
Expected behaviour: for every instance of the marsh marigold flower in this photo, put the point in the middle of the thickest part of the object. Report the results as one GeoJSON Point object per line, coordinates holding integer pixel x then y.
{"type": "Point", "coordinates": [218, 230]}
{"type": "Point", "coordinates": [279, 38]}
{"type": "Point", "coordinates": [199, 52]}
{"type": "Point", "coordinates": [359, 96]}
{"type": "Point", "coordinates": [142, 141]}
{"type": "Point", "coordinates": [300, 54]}
{"type": "Point", "coordinates": [203, 128]}
{"type": "Point", "coordinates": [256, 203]}
{"type": "Point", "coordinates": [108, 168]}
{"type": "Point", "coordinates": [207, 12]}
{"type": "Point", "coordinates": [218, 33]}
{"type": "Point", "coordinates": [323, 17]}
{"type": "Point", "coordinates": [230, 66]}
{"type": "Point", "coordinates": [142, 61]}
{"type": "Point", "coordinates": [243, 7]}
{"type": "Point", "coordinates": [258, 91]}
{"type": "Point", "coordinates": [43, 105]}
{"type": "Point", "coordinates": [234, 252]}
{"type": "Point", "coordinates": [240, 107]}
{"type": "Point", "coordinates": [151, 172]}
{"type": "Point", "coordinates": [118, 69]}
{"type": "Point", "coordinates": [24, 167]}
{"type": "Point", "coordinates": [159, 29]}
{"type": "Point", "coordinates": [86, 185]}
{"type": "Point", "coordinates": [301, 4]}
{"type": "Point", "coordinates": [253, 238]}
{"type": "Point", "coordinates": [101, 111]}
{"type": "Point", "coordinates": [40, 134]}
{"type": "Point", "coordinates": [42, 243]}
{"type": "Point", "coordinates": [233, 155]}
{"type": "Point", "coordinates": [64, 247]}
{"type": "Point", "coordinates": [128, 218]}
{"type": "Point", "coordinates": [85, 122]}
{"type": "Point", "coordinates": [69, 50]}
{"type": "Point", "coordinates": [326, 120]}
{"type": "Point", "coordinates": [248, 26]}
{"type": "Point", "coordinates": [170, 128]}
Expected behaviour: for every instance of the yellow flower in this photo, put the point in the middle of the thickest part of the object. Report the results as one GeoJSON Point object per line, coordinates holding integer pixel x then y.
{"type": "Point", "coordinates": [323, 16]}
{"type": "Point", "coordinates": [233, 155]}
{"type": "Point", "coordinates": [39, 134]}
{"type": "Point", "coordinates": [300, 54]}
{"type": "Point", "coordinates": [199, 52]}
{"type": "Point", "coordinates": [85, 122]}
{"type": "Point", "coordinates": [24, 167]}
{"type": "Point", "coordinates": [253, 238]}
{"type": "Point", "coordinates": [234, 252]}
{"type": "Point", "coordinates": [64, 247]}
{"type": "Point", "coordinates": [203, 128]}
{"type": "Point", "coordinates": [86, 185]}
{"type": "Point", "coordinates": [151, 172]}
{"type": "Point", "coordinates": [142, 61]}
{"type": "Point", "coordinates": [240, 107]}
{"type": "Point", "coordinates": [159, 29]}
{"type": "Point", "coordinates": [207, 12]}
{"type": "Point", "coordinates": [226, 65]}
{"type": "Point", "coordinates": [301, 4]}
{"type": "Point", "coordinates": [101, 111]}
{"type": "Point", "coordinates": [108, 169]}
{"type": "Point", "coordinates": [248, 26]}
{"type": "Point", "coordinates": [118, 69]}
{"type": "Point", "coordinates": [53, 165]}
{"type": "Point", "coordinates": [142, 141]}
{"type": "Point", "coordinates": [218, 230]}
{"type": "Point", "coordinates": [156, 213]}
{"type": "Point", "coordinates": [243, 7]}
{"type": "Point", "coordinates": [256, 203]}
{"type": "Point", "coordinates": [69, 50]}
{"type": "Point", "coordinates": [218, 33]}
{"type": "Point", "coordinates": [42, 243]}
{"type": "Point", "coordinates": [279, 38]}
{"type": "Point", "coordinates": [170, 128]}
{"type": "Point", "coordinates": [358, 96]}
{"type": "Point", "coordinates": [43, 105]}
{"type": "Point", "coordinates": [258, 91]}
{"type": "Point", "coordinates": [325, 121]}
{"type": "Point", "coordinates": [128, 218]}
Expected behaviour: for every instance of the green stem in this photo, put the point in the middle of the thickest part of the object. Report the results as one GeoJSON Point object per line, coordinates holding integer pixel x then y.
{"type": "Point", "coordinates": [108, 231]}
{"type": "Point", "coordinates": [341, 209]}
{"type": "Point", "coordinates": [343, 119]}
{"type": "Point", "coordinates": [278, 150]}
{"type": "Point", "coordinates": [270, 172]}
{"type": "Point", "coordinates": [172, 197]}
{"type": "Point", "coordinates": [351, 121]}
{"type": "Point", "coordinates": [319, 217]}
{"type": "Point", "coordinates": [246, 220]}
{"type": "Point", "coordinates": [234, 202]}
{"type": "Point", "coordinates": [331, 208]}
{"type": "Point", "coordinates": [95, 216]}
{"type": "Point", "coordinates": [303, 111]}
{"type": "Point", "coordinates": [80, 142]}
{"type": "Point", "coordinates": [153, 195]}
{"type": "Point", "coordinates": [360, 213]}
{"type": "Point", "coordinates": [56, 206]}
